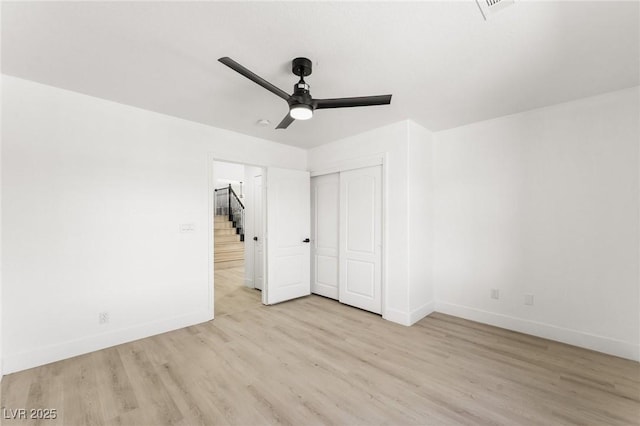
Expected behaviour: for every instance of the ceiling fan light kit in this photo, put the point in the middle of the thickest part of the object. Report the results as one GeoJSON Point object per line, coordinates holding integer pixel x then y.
{"type": "Point", "coordinates": [301, 104]}
{"type": "Point", "coordinates": [301, 112]}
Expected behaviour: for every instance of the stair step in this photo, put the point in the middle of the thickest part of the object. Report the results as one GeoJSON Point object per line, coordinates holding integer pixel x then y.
{"type": "Point", "coordinates": [228, 231]}
{"type": "Point", "coordinates": [229, 264]}
{"type": "Point", "coordinates": [227, 238]}
{"type": "Point", "coordinates": [223, 225]}
{"type": "Point", "coordinates": [221, 218]}
{"type": "Point", "coordinates": [229, 254]}
{"type": "Point", "coordinates": [227, 246]}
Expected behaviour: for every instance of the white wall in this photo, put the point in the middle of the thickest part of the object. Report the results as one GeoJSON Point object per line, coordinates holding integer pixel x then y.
{"type": "Point", "coordinates": [420, 219]}
{"type": "Point", "coordinates": [544, 202]}
{"type": "Point", "coordinates": [93, 193]}
{"type": "Point", "coordinates": [390, 141]}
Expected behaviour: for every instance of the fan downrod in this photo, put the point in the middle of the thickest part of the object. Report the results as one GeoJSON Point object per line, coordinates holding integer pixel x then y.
{"type": "Point", "coordinates": [301, 67]}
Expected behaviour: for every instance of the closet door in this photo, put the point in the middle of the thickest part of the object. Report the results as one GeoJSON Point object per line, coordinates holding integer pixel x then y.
{"type": "Point", "coordinates": [360, 283]}
{"type": "Point", "coordinates": [325, 197]}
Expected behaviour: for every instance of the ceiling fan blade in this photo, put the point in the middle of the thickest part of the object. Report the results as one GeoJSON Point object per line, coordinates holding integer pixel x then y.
{"type": "Point", "coordinates": [352, 102]}
{"type": "Point", "coordinates": [254, 77]}
{"type": "Point", "coordinates": [286, 121]}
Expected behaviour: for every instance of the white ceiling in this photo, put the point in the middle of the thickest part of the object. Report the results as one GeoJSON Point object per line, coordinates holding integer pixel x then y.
{"type": "Point", "coordinates": [444, 65]}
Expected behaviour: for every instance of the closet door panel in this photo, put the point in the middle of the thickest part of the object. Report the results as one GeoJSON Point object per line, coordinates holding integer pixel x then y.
{"type": "Point", "coordinates": [325, 196]}
{"type": "Point", "coordinates": [360, 236]}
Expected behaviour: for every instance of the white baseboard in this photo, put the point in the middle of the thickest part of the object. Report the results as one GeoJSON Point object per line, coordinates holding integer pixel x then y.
{"type": "Point", "coordinates": [565, 335]}
{"type": "Point", "coordinates": [409, 318]}
{"type": "Point", "coordinates": [399, 317]}
{"type": "Point", "coordinates": [421, 312]}
{"type": "Point", "coordinates": [248, 282]}
{"type": "Point", "coordinates": [57, 352]}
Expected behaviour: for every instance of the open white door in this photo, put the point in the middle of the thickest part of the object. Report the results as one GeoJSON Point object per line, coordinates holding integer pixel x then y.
{"type": "Point", "coordinates": [288, 252]}
{"type": "Point", "coordinates": [258, 245]}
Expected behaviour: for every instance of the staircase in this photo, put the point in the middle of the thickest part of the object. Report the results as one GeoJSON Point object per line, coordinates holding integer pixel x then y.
{"type": "Point", "coordinates": [229, 249]}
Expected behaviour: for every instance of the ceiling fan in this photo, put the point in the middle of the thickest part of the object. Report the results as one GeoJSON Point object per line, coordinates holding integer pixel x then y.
{"type": "Point", "coordinates": [301, 104]}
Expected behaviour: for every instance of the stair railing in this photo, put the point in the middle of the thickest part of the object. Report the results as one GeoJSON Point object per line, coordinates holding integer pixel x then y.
{"type": "Point", "coordinates": [228, 204]}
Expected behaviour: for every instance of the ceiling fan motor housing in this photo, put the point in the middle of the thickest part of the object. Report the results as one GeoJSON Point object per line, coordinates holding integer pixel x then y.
{"type": "Point", "coordinates": [301, 67]}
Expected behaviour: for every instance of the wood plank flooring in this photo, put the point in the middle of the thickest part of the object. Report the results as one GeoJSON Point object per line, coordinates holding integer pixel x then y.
{"type": "Point", "coordinates": [231, 295]}
{"type": "Point", "coordinates": [314, 361]}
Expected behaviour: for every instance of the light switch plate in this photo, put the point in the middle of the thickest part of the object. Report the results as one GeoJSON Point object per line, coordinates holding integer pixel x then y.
{"type": "Point", "coordinates": [187, 227]}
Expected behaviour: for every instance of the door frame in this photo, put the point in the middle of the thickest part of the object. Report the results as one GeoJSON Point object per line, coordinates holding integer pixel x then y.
{"type": "Point", "coordinates": [211, 158]}
{"type": "Point", "coordinates": [382, 160]}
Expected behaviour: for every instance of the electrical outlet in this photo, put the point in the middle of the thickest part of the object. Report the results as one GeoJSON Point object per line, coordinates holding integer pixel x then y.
{"type": "Point", "coordinates": [103, 317]}
{"type": "Point", "coordinates": [495, 293]}
{"type": "Point", "coordinates": [528, 299]}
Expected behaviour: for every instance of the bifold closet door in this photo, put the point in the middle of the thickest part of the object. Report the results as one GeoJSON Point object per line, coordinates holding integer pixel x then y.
{"type": "Point", "coordinates": [360, 237]}
{"type": "Point", "coordinates": [325, 196]}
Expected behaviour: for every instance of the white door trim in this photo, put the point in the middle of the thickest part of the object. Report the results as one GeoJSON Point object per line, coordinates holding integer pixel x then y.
{"type": "Point", "coordinates": [210, 239]}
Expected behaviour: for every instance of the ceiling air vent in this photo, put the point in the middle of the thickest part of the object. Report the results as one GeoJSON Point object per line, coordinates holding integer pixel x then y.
{"type": "Point", "coordinates": [491, 7]}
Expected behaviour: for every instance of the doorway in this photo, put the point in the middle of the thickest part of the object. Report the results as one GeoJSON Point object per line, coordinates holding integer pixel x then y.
{"type": "Point", "coordinates": [236, 205]}
{"type": "Point", "coordinates": [279, 264]}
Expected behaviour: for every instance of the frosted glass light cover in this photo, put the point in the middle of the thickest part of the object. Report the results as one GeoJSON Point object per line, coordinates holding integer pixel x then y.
{"type": "Point", "coordinates": [301, 112]}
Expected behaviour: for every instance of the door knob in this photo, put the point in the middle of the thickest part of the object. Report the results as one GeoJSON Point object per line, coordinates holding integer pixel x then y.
{"type": "Point", "coordinates": [255, 238]}
{"type": "Point", "coordinates": [306, 240]}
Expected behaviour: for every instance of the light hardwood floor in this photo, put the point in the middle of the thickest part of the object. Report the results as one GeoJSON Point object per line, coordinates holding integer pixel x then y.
{"type": "Point", "coordinates": [231, 295]}
{"type": "Point", "coordinates": [314, 361]}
